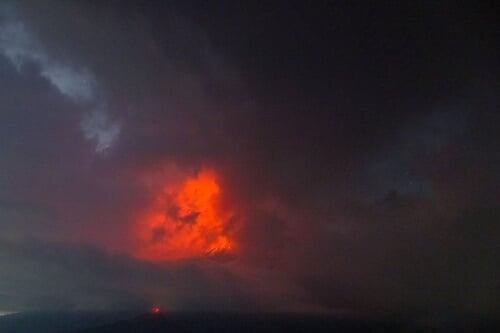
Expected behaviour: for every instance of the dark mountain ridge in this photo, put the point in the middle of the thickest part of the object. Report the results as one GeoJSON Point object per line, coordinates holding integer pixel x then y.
{"type": "Point", "coordinates": [290, 323]}
{"type": "Point", "coordinates": [125, 322]}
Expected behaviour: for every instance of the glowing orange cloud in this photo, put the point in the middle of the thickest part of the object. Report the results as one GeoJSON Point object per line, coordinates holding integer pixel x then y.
{"type": "Point", "coordinates": [186, 220]}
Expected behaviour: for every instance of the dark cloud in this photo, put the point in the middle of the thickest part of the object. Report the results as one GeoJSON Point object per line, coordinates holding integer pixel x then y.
{"type": "Point", "coordinates": [61, 276]}
{"type": "Point", "coordinates": [356, 145]}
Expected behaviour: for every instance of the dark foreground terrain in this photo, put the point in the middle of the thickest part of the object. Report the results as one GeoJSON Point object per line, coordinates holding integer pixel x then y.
{"type": "Point", "coordinates": [221, 323]}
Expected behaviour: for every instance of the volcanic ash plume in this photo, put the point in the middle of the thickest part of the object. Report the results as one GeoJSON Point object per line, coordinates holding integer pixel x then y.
{"type": "Point", "coordinates": [185, 220]}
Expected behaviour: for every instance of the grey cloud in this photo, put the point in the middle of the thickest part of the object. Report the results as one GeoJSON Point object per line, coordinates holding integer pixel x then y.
{"type": "Point", "coordinates": [20, 46]}
{"type": "Point", "coordinates": [39, 274]}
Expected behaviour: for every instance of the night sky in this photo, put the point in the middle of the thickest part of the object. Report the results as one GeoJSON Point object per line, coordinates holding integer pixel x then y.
{"type": "Point", "coordinates": [250, 156]}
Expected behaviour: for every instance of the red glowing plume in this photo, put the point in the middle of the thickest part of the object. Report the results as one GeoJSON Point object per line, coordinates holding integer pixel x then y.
{"type": "Point", "coordinates": [186, 220]}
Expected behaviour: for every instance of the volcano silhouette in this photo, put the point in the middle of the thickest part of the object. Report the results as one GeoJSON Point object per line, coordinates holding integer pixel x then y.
{"type": "Point", "coordinates": [244, 323]}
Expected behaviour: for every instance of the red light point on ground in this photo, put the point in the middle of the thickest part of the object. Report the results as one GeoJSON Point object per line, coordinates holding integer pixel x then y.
{"type": "Point", "coordinates": [155, 309]}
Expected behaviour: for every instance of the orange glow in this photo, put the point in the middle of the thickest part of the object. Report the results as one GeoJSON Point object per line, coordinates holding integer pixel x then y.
{"type": "Point", "coordinates": [186, 220]}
